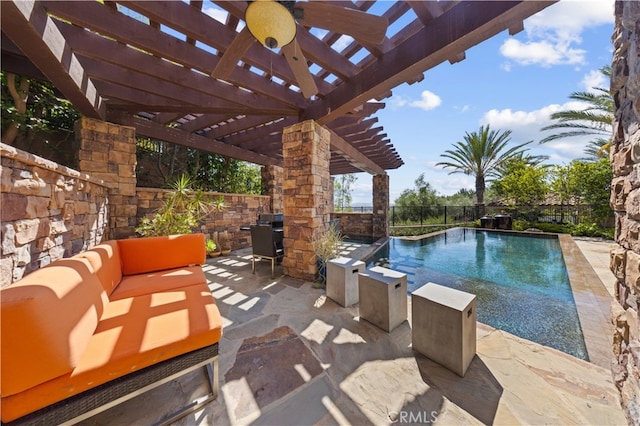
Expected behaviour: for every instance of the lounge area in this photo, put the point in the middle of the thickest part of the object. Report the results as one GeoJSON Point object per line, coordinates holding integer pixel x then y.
{"type": "Point", "coordinates": [290, 355]}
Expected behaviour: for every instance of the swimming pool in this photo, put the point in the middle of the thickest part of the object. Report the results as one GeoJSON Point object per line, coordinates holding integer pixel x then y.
{"type": "Point", "coordinates": [520, 281]}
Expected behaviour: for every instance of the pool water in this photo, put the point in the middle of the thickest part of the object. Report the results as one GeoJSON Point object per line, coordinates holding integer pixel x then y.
{"type": "Point", "coordinates": [521, 282]}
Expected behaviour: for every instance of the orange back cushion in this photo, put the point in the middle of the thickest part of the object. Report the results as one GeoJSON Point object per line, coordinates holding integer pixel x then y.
{"type": "Point", "coordinates": [141, 255]}
{"type": "Point", "coordinates": [105, 261]}
{"type": "Point", "coordinates": [47, 320]}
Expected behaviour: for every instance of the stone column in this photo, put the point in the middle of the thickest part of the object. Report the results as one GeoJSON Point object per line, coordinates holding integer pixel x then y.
{"type": "Point", "coordinates": [380, 206]}
{"type": "Point", "coordinates": [625, 201]}
{"type": "Point", "coordinates": [305, 149]}
{"type": "Point", "coordinates": [107, 151]}
{"type": "Point", "coordinates": [272, 179]}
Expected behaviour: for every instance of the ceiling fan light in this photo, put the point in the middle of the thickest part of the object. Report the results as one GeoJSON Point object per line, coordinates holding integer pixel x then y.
{"type": "Point", "coordinates": [270, 23]}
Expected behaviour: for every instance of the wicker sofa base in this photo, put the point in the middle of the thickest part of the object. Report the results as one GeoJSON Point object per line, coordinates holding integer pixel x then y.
{"type": "Point", "coordinates": [91, 402]}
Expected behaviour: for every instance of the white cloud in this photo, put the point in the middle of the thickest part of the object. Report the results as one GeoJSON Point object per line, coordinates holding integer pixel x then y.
{"type": "Point", "coordinates": [508, 119]}
{"type": "Point", "coordinates": [342, 43]}
{"type": "Point", "coordinates": [396, 102]}
{"type": "Point", "coordinates": [571, 16]}
{"type": "Point", "coordinates": [428, 101]}
{"type": "Point", "coordinates": [594, 78]}
{"type": "Point", "coordinates": [553, 34]}
{"type": "Point", "coordinates": [526, 125]}
{"type": "Point", "coordinates": [453, 183]}
{"type": "Point", "coordinates": [217, 14]}
{"type": "Point", "coordinates": [545, 52]}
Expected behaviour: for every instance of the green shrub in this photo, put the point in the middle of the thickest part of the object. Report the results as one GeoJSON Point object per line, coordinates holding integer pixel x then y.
{"type": "Point", "coordinates": [520, 225]}
{"type": "Point", "coordinates": [555, 228]}
{"type": "Point", "coordinates": [414, 232]}
{"type": "Point", "coordinates": [182, 211]}
{"type": "Point", "coordinates": [592, 230]}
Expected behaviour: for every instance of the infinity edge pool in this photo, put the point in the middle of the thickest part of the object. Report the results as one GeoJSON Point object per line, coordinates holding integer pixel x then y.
{"type": "Point", "coordinates": [590, 296]}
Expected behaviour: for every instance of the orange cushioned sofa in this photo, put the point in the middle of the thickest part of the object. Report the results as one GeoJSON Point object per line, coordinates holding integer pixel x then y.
{"type": "Point", "coordinates": [86, 333]}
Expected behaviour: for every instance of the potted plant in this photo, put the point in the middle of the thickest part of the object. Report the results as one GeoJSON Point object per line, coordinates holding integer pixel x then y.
{"type": "Point", "coordinates": [225, 242]}
{"type": "Point", "coordinates": [212, 248]}
{"type": "Point", "coordinates": [326, 246]}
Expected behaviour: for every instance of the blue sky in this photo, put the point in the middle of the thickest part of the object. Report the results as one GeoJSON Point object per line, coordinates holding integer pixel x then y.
{"type": "Point", "coordinates": [508, 82]}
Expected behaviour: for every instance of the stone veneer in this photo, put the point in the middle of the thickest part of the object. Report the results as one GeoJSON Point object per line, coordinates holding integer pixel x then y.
{"type": "Point", "coordinates": [355, 226]}
{"type": "Point", "coordinates": [625, 201]}
{"type": "Point", "coordinates": [307, 190]}
{"type": "Point", "coordinates": [380, 206]}
{"type": "Point", "coordinates": [240, 210]}
{"type": "Point", "coordinates": [108, 151]}
{"type": "Point", "coordinates": [272, 178]}
{"type": "Point", "coordinates": [48, 212]}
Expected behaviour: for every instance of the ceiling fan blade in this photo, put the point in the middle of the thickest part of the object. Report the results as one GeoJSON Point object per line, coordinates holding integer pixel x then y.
{"type": "Point", "coordinates": [360, 25]}
{"type": "Point", "coordinates": [298, 64]}
{"type": "Point", "coordinates": [228, 62]}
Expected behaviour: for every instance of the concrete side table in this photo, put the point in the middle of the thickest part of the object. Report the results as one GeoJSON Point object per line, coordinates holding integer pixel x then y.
{"type": "Point", "coordinates": [342, 280]}
{"type": "Point", "coordinates": [383, 297]}
{"type": "Point", "coordinates": [443, 324]}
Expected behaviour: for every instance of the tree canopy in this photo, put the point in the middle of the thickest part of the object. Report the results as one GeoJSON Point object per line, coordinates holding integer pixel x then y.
{"type": "Point", "coordinates": [522, 183]}
{"type": "Point", "coordinates": [595, 119]}
{"type": "Point", "coordinates": [482, 154]}
{"type": "Point", "coordinates": [586, 182]}
{"type": "Point", "coordinates": [342, 192]}
{"type": "Point", "coordinates": [422, 194]}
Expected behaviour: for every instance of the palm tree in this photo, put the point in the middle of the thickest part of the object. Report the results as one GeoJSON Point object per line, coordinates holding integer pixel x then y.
{"type": "Point", "coordinates": [595, 119]}
{"type": "Point", "coordinates": [482, 154]}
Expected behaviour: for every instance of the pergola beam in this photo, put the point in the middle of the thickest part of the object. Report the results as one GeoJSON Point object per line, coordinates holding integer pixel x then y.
{"type": "Point", "coordinates": [456, 30]}
{"type": "Point", "coordinates": [180, 137]}
{"type": "Point", "coordinates": [360, 161]}
{"type": "Point", "coordinates": [27, 24]}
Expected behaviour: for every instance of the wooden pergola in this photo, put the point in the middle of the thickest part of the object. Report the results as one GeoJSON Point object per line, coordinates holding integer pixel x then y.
{"type": "Point", "coordinates": [149, 64]}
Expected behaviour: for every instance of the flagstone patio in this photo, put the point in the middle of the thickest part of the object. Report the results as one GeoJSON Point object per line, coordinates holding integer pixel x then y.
{"type": "Point", "coordinates": [290, 356]}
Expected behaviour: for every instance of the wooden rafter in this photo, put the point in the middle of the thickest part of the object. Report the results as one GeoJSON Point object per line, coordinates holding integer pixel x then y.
{"type": "Point", "coordinates": [27, 24]}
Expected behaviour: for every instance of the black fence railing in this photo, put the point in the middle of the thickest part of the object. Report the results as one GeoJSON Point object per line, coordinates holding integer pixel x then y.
{"type": "Point", "coordinates": [358, 209]}
{"type": "Point", "coordinates": [417, 216]}
{"type": "Point", "coordinates": [452, 215]}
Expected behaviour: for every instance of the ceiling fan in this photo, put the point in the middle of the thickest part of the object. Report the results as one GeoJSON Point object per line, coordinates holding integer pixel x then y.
{"type": "Point", "coordinates": [273, 24]}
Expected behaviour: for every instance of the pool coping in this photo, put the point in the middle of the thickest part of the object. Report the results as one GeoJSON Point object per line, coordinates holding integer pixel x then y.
{"type": "Point", "coordinates": [592, 300]}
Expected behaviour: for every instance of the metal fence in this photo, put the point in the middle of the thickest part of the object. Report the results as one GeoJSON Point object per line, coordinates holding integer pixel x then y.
{"type": "Point", "coordinates": [450, 215]}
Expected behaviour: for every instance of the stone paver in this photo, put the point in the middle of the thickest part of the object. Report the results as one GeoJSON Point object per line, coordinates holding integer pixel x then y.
{"type": "Point", "coordinates": [290, 355]}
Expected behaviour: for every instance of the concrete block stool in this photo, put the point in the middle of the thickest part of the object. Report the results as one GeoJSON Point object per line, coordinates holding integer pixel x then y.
{"type": "Point", "coordinates": [443, 324]}
{"type": "Point", "coordinates": [383, 297]}
{"type": "Point", "coordinates": [342, 280]}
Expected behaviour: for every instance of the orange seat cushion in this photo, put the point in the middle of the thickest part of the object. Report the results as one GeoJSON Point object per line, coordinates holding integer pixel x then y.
{"type": "Point", "coordinates": [133, 333]}
{"type": "Point", "coordinates": [47, 321]}
{"type": "Point", "coordinates": [151, 282]}
{"type": "Point", "coordinates": [105, 261]}
{"type": "Point", "coordinates": [141, 255]}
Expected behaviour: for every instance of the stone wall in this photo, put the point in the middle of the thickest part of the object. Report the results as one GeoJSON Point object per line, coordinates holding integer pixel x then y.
{"type": "Point", "coordinates": [48, 212]}
{"type": "Point", "coordinates": [355, 226]}
{"type": "Point", "coordinates": [107, 151]}
{"type": "Point", "coordinates": [625, 201]}
{"type": "Point", "coordinates": [272, 180]}
{"type": "Point", "coordinates": [240, 210]}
